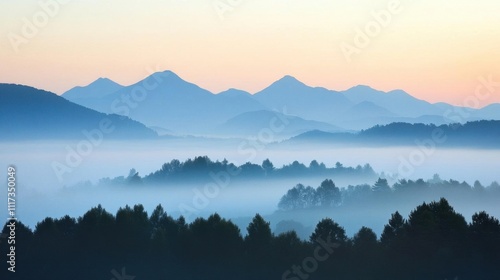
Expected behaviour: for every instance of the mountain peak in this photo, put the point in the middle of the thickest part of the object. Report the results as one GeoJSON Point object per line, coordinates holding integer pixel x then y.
{"type": "Point", "coordinates": [286, 83]}
{"type": "Point", "coordinates": [165, 75]}
{"type": "Point", "coordinates": [168, 72]}
{"type": "Point", "coordinates": [103, 81]}
{"type": "Point", "coordinates": [234, 92]}
{"type": "Point", "coordinates": [399, 92]}
{"type": "Point", "coordinates": [287, 79]}
{"type": "Point", "coordinates": [98, 88]}
{"type": "Point", "coordinates": [361, 88]}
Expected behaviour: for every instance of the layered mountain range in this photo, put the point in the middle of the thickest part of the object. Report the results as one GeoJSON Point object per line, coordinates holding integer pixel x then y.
{"type": "Point", "coordinates": [164, 100]}
{"type": "Point", "coordinates": [164, 103]}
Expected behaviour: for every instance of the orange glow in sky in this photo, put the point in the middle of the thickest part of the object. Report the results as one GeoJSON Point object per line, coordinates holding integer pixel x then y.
{"type": "Point", "coordinates": [434, 50]}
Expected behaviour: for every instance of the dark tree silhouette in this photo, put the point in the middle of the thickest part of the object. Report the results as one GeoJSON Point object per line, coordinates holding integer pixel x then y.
{"type": "Point", "coordinates": [133, 227]}
{"type": "Point", "coordinates": [96, 230]}
{"type": "Point", "coordinates": [259, 233]}
{"type": "Point", "coordinates": [485, 243]}
{"type": "Point", "coordinates": [365, 240]}
{"type": "Point", "coordinates": [438, 234]}
{"type": "Point", "coordinates": [366, 253]}
{"type": "Point", "coordinates": [434, 242]}
{"type": "Point", "coordinates": [394, 230]}
{"type": "Point", "coordinates": [327, 229]}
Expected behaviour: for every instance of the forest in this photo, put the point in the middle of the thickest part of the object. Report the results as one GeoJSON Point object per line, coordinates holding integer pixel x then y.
{"type": "Point", "coordinates": [433, 242]}
{"type": "Point", "coordinates": [328, 195]}
{"type": "Point", "coordinates": [203, 169]}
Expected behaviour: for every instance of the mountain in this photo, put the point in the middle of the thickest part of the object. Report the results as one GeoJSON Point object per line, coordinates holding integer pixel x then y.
{"type": "Point", "coordinates": [367, 122]}
{"type": "Point", "coordinates": [240, 97]}
{"type": "Point", "coordinates": [276, 124]}
{"type": "Point", "coordinates": [490, 112]}
{"type": "Point", "coordinates": [396, 101]}
{"type": "Point", "coordinates": [29, 113]}
{"type": "Point", "coordinates": [313, 103]}
{"type": "Point", "coordinates": [357, 108]}
{"type": "Point", "coordinates": [233, 92]}
{"type": "Point", "coordinates": [476, 134]}
{"type": "Point", "coordinates": [87, 95]}
{"type": "Point", "coordinates": [165, 100]}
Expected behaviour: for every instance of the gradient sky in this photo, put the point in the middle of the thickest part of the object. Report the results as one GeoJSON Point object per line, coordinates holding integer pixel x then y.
{"type": "Point", "coordinates": [434, 50]}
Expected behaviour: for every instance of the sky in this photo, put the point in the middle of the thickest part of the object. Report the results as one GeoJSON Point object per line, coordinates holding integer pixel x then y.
{"type": "Point", "coordinates": [435, 50]}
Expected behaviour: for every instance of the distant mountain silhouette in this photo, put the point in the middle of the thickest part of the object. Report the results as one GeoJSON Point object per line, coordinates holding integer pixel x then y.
{"type": "Point", "coordinates": [29, 113]}
{"type": "Point", "coordinates": [89, 95]}
{"type": "Point", "coordinates": [490, 112]}
{"type": "Point", "coordinates": [477, 134]}
{"type": "Point", "coordinates": [281, 126]}
{"type": "Point", "coordinates": [240, 98]}
{"type": "Point", "coordinates": [165, 100]}
{"type": "Point", "coordinates": [313, 103]}
{"type": "Point", "coordinates": [367, 109]}
{"type": "Point", "coordinates": [233, 92]}
{"type": "Point", "coordinates": [396, 101]}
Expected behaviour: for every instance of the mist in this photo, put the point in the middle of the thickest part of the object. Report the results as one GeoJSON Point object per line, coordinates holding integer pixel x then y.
{"type": "Point", "coordinates": [75, 189]}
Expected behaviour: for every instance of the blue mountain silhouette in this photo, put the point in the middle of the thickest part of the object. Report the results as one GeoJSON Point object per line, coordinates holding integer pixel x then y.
{"type": "Point", "coordinates": [30, 113]}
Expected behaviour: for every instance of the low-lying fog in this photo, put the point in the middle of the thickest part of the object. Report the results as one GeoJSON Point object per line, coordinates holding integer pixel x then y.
{"type": "Point", "coordinates": [42, 191]}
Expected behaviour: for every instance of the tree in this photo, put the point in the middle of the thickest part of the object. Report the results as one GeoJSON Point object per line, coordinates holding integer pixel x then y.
{"type": "Point", "coordinates": [485, 244]}
{"type": "Point", "coordinates": [365, 240]}
{"type": "Point", "coordinates": [259, 234]}
{"type": "Point", "coordinates": [133, 177]}
{"type": "Point", "coordinates": [381, 186]}
{"type": "Point", "coordinates": [394, 230]}
{"type": "Point", "coordinates": [226, 238]}
{"type": "Point", "coordinates": [328, 230]}
{"type": "Point", "coordinates": [96, 230]}
{"type": "Point", "coordinates": [435, 179]}
{"type": "Point", "coordinates": [299, 197]}
{"type": "Point", "coordinates": [436, 234]}
{"type": "Point", "coordinates": [133, 228]}
{"type": "Point", "coordinates": [483, 223]}
{"type": "Point", "coordinates": [327, 194]}
{"type": "Point", "coordinates": [295, 168]}
{"type": "Point", "coordinates": [485, 233]}
{"type": "Point", "coordinates": [157, 216]}
{"type": "Point", "coordinates": [366, 253]}
{"type": "Point", "coordinates": [214, 238]}
{"type": "Point", "coordinates": [438, 219]}
{"type": "Point", "coordinates": [478, 187]}
{"type": "Point", "coordinates": [314, 165]}
{"type": "Point", "coordinates": [268, 167]}
{"type": "Point", "coordinates": [495, 186]}
{"type": "Point", "coordinates": [288, 248]}
{"type": "Point", "coordinates": [164, 231]}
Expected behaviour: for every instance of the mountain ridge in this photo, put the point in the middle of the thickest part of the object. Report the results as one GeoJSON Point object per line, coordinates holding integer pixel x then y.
{"type": "Point", "coordinates": [183, 107]}
{"type": "Point", "coordinates": [30, 113]}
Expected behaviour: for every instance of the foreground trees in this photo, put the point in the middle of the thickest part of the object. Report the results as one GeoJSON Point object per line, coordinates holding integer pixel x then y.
{"type": "Point", "coordinates": [434, 242]}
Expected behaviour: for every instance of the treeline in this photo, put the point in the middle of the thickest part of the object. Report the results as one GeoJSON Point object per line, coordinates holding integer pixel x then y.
{"type": "Point", "coordinates": [434, 242]}
{"type": "Point", "coordinates": [400, 133]}
{"type": "Point", "coordinates": [329, 195]}
{"type": "Point", "coordinates": [202, 168]}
